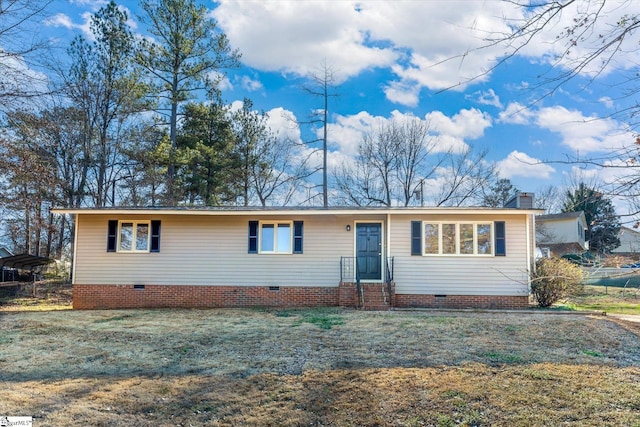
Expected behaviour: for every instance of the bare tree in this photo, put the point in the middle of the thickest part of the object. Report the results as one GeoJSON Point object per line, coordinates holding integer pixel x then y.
{"type": "Point", "coordinates": [19, 42]}
{"type": "Point", "coordinates": [269, 168]}
{"type": "Point", "coordinates": [276, 175]}
{"type": "Point", "coordinates": [106, 88]}
{"type": "Point", "coordinates": [416, 159]}
{"type": "Point", "coordinates": [595, 39]}
{"type": "Point", "coordinates": [27, 184]}
{"type": "Point", "coordinates": [463, 178]}
{"type": "Point", "coordinates": [391, 164]}
{"type": "Point", "coordinates": [548, 198]}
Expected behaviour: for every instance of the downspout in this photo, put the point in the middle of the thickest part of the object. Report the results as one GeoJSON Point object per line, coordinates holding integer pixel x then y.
{"type": "Point", "coordinates": [387, 273]}
{"type": "Point", "coordinates": [75, 250]}
{"type": "Point", "coordinates": [531, 225]}
{"type": "Point", "coordinates": [387, 253]}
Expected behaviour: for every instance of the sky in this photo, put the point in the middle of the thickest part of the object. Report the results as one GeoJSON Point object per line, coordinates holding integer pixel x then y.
{"type": "Point", "coordinates": [418, 58]}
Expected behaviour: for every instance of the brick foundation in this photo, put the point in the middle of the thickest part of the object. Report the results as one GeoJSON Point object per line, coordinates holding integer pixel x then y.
{"type": "Point", "coordinates": [462, 301]}
{"type": "Point", "coordinates": [87, 297]}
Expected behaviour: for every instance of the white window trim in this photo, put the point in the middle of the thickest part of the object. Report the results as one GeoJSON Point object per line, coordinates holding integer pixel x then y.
{"type": "Point", "coordinates": [275, 237]}
{"type": "Point", "coordinates": [133, 237]}
{"type": "Point", "coordinates": [457, 232]}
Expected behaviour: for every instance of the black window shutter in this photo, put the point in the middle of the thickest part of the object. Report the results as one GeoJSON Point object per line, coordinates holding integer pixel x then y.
{"type": "Point", "coordinates": [112, 235]}
{"type": "Point", "coordinates": [297, 237]}
{"type": "Point", "coordinates": [155, 236]}
{"type": "Point", "coordinates": [416, 237]}
{"type": "Point", "coordinates": [253, 237]}
{"type": "Point", "coordinates": [500, 237]}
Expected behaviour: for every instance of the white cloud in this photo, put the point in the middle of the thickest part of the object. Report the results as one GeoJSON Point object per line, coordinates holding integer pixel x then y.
{"type": "Point", "coordinates": [523, 165]}
{"type": "Point", "coordinates": [516, 113]}
{"type": "Point", "coordinates": [250, 84]}
{"type": "Point", "coordinates": [347, 131]}
{"type": "Point", "coordinates": [235, 106]}
{"type": "Point", "coordinates": [225, 84]}
{"type": "Point", "coordinates": [221, 80]}
{"type": "Point", "coordinates": [403, 93]}
{"type": "Point", "coordinates": [608, 102]}
{"type": "Point", "coordinates": [296, 37]}
{"type": "Point", "coordinates": [64, 21]}
{"type": "Point", "coordinates": [434, 46]}
{"type": "Point", "coordinates": [442, 40]}
{"type": "Point", "coordinates": [449, 133]}
{"type": "Point", "coordinates": [552, 47]}
{"type": "Point", "coordinates": [486, 98]}
{"type": "Point", "coordinates": [95, 4]}
{"type": "Point", "coordinates": [16, 77]}
{"type": "Point", "coordinates": [453, 132]}
{"type": "Point", "coordinates": [583, 134]}
{"type": "Point", "coordinates": [60, 20]}
{"type": "Point", "coordinates": [284, 123]}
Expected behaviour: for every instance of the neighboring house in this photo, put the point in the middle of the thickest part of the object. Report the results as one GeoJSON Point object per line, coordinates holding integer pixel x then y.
{"type": "Point", "coordinates": [629, 242]}
{"type": "Point", "coordinates": [563, 233]}
{"type": "Point", "coordinates": [354, 257]}
{"type": "Point", "coordinates": [6, 274]}
{"type": "Point", "coordinates": [4, 252]}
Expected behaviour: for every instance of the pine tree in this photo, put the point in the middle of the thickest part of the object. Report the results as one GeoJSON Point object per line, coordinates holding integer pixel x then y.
{"type": "Point", "coordinates": [602, 222]}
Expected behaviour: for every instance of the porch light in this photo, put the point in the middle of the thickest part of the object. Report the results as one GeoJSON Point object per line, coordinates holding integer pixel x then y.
{"type": "Point", "coordinates": [348, 227]}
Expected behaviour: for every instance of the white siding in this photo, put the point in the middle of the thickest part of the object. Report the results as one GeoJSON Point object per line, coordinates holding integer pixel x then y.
{"type": "Point", "coordinates": [212, 250]}
{"type": "Point", "coordinates": [561, 231]}
{"type": "Point", "coordinates": [629, 241]}
{"type": "Point", "coordinates": [461, 274]}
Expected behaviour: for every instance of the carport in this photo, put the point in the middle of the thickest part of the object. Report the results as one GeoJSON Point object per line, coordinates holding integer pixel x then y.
{"type": "Point", "coordinates": [25, 262]}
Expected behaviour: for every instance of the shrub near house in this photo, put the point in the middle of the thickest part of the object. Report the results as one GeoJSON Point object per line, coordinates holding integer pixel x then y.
{"type": "Point", "coordinates": [553, 279]}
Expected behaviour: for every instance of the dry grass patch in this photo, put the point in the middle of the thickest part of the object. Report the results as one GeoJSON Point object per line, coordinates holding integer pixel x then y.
{"type": "Point", "coordinates": [41, 296]}
{"type": "Point", "coordinates": [472, 395]}
{"type": "Point", "coordinates": [608, 299]}
{"type": "Point", "coordinates": [327, 367]}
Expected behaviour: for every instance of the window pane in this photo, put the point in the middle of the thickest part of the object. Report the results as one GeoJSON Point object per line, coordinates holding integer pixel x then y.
{"type": "Point", "coordinates": [431, 239]}
{"type": "Point", "coordinates": [126, 236]}
{"type": "Point", "coordinates": [466, 239]}
{"type": "Point", "coordinates": [284, 238]}
{"type": "Point", "coordinates": [267, 238]}
{"type": "Point", "coordinates": [448, 238]}
{"type": "Point", "coordinates": [142, 237]}
{"type": "Point", "coordinates": [484, 239]}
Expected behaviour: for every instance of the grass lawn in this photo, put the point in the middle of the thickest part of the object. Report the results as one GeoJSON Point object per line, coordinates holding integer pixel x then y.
{"type": "Point", "coordinates": [317, 367]}
{"type": "Point", "coordinates": [609, 299]}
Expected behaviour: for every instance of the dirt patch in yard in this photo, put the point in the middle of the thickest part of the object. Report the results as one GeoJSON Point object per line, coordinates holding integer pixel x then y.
{"type": "Point", "coordinates": [327, 367]}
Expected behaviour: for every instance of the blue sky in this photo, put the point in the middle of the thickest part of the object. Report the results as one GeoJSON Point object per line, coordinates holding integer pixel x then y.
{"type": "Point", "coordinates": [394, 58]}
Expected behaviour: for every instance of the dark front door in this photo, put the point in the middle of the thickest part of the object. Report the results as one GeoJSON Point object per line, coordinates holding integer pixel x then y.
{"type": "Point", "coordinates": [369, 251]}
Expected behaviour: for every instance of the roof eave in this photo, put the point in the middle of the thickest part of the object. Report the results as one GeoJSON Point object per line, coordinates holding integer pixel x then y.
{"type": "Point", "coordinates": [297, 211]}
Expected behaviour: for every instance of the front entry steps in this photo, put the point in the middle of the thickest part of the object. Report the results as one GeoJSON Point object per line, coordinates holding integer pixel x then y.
{"type": "Point", "coordinates": [373, 296]}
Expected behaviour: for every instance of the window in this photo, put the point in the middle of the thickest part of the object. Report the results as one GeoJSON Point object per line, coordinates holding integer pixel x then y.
{"type": "Point", "coordinates": [484, 239]}
{"type": "Point", "coordinates": [431, 239]}
{"type": "Point", "coordinates": [275, 237]}
{"type": "Point", "coordinates": [133, 236]}
{"type": "Point", "coordinates": [454, 238]}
